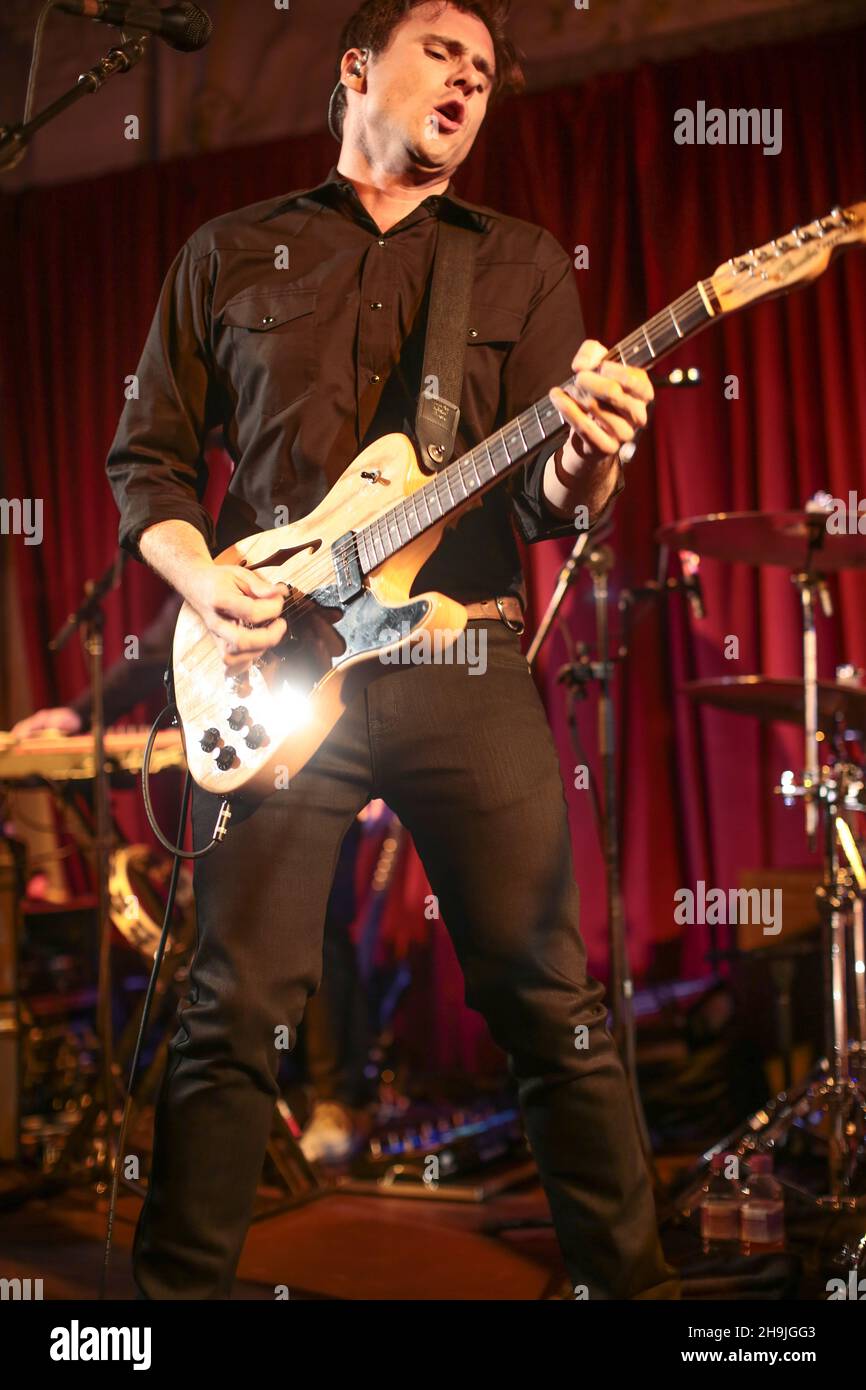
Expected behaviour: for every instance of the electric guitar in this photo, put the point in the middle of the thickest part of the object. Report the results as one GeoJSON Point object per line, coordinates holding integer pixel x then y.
{"type": "Point", "coordinates": [350, 564]}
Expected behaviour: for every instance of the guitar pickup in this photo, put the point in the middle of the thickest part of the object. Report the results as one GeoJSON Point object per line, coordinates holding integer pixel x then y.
{"type": "Point", "coordinates": [347, 567]}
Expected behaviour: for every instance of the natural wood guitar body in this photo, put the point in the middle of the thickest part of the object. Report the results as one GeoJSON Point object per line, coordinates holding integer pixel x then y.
{"type": "Point", "coordinates": [296, 693]}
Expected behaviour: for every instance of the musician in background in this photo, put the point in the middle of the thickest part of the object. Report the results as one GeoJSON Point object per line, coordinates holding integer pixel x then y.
{"type": "Point", "coordinates": [336, 1036]}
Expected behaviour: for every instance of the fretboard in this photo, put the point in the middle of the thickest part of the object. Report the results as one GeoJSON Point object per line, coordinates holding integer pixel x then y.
{"type": "Point", "coordinates": [478, 470]}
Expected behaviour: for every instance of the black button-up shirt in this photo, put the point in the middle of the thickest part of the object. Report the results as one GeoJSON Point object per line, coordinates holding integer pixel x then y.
{"type": "Point", "coordinates": [297, 326]}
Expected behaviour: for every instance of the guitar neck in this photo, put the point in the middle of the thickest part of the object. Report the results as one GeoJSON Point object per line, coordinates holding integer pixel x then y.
{"type": "Point", "coordinates": [475, 472]}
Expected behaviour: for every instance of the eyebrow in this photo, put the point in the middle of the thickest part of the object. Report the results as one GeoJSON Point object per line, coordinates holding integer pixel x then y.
{"type": "Point", "coordinates": [458, 50]}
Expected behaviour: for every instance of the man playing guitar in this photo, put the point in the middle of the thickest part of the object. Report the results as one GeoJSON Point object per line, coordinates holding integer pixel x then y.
{"type": "Point", "coordinates": [298, 324]}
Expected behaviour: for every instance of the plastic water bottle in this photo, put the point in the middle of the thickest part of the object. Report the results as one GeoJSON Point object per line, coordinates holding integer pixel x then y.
{"type": "Point", "coordinates": [762, 1209]}
{"type": "Point", "coordinates": [719, 1208]}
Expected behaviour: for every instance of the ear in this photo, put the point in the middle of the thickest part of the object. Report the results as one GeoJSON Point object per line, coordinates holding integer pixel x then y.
{"type": "Point", "coordinates": [352, 68]}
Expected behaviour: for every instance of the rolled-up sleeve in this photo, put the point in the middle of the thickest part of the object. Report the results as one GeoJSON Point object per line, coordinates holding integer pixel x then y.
{"type": "Point", "coordinates": [542, 358]}
{"type": "Point", "coordinates": [156, 465]}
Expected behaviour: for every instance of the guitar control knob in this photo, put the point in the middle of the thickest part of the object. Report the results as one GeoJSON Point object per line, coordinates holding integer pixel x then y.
{"type": "Point", "coordinates": [239, 717]}
{"type": "Point", "coordinates": [209, 740]}
{"type": "Point", "coordinates": [256, 736]}
{"type": "Point", "coordinates": [225, 758]}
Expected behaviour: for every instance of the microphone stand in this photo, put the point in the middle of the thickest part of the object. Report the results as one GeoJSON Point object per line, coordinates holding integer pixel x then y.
{"type": "Point", "coordinates": [15, 138]}
{"type": "Point", "coordinates": [575, 677]}
{"type": "Point", "coordinates": [89, 617]}
{"type": "Point", "coordinates": [567, 576]}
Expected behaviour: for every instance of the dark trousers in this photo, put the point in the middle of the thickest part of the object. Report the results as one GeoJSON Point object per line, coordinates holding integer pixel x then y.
{"type": "Point", "coordinates": [337, 1033]}
{"type": "Point", "coordinates": [468, 763]}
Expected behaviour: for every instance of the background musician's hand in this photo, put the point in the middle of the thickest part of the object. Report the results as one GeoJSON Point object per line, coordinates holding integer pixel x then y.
{"type": "Point", "coordinates": [241, 610]}
{"type": "Point", "coordinates": [59, 720]}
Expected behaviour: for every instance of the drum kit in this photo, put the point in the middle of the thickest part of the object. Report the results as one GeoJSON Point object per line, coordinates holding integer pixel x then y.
{"type": "Point", "coordinates": [827, 1111]}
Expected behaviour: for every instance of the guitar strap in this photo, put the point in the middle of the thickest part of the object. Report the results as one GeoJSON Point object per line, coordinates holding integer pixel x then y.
{"type": "Point", "coordinates": [438, 413]}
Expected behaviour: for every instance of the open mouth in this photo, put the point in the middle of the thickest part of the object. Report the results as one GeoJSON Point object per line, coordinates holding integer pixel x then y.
{"type": "Point", "coordinates": [450, 116]}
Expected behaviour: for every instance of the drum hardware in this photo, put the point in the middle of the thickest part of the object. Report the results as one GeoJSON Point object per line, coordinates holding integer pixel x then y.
{"type": "Point", "coordinates": [137, 878]}
{"type": "Point", "coordinates": [841, 708]}
{"type": "Point", "coordinates": [829, 1108]}
{"type": "Point", "coordinates": [838, 1095]}
{"type": "Point", "coordinates": [797, 541]}
{"type": "Point", "coordinates": [575, 678]}
{"type": "Point", "coordinates": [59, 1050]}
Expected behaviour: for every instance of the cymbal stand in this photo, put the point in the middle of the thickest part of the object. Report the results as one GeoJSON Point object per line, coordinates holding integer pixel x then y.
{"type": "Point", "coordinates": [828, 1108]}
{"type": "Point", "coordinates": [833, 1092]}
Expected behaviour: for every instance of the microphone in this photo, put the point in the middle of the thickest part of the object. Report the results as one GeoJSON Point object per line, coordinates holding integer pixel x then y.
{"type": "Point", "coordinates": [184, 27]}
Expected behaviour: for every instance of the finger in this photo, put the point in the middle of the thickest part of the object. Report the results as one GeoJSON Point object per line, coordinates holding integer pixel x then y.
{"type": "Point", "coordinates": [237, 606]}
{"type": "Point", "coordinates": [233, 663]}
{"type": "Point", "coordinates": [249, 640]}
{"type": "Point", "coordinates": [633, 380]}
{"type": "Point", "coordinates": [594, 387]}
{"type": "Point", "coordinates": [590, 354]}
{"type": "Point", "coordinates": [586, 425]}
{"type": "Point", "coordinates": [257, 585]}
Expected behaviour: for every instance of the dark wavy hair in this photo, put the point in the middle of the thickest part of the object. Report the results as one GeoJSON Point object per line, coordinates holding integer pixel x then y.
{"type": "Point", "coordinates": [371, 27]}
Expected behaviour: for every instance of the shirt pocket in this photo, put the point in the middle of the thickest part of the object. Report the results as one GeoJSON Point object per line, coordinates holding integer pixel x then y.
{"type": "Point", "coordinates": [492, 332]}
{"type": "Point", "coordinates": [492, 325]}
{"type": "Point", "coordinates": [273, 347]}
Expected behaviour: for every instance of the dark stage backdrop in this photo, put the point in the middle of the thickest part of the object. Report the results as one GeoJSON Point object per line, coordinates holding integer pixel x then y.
{"type": "Point", "coordinates": [598, 166]}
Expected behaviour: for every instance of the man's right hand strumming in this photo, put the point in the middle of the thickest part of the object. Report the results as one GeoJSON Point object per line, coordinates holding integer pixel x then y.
{"type": "Point", "coordinates": [240, 608]}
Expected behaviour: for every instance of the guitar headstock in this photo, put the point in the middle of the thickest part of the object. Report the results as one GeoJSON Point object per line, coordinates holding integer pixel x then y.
{"type": "Point", "coordinates": [799, 256]}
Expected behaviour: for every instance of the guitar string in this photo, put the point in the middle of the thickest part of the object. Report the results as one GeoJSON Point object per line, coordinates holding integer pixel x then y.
{"type": "Point", "coordinates": [691, 299]}
{"type": "Point", "coordinates": [322, 571]}
{"type": "Point", "coordinates": [398, 513]}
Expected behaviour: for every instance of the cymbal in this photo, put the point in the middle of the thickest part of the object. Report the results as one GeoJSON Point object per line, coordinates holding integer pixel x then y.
{"type": "Point", "coordinates": [771, 697]}
{"type": "Point", "coordinates": [768, 538]}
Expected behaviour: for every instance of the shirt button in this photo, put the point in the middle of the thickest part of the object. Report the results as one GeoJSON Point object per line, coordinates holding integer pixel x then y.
{"type": "Point", "coordinates": [473, 332]}
{"type": "Point", "coordinates": [375, 304]}
{"type": "Point", "coordinates": [269, 319]}
{"type": "Point", "coordinates": [375, 377]}
{"type": "Point", "coordinates": [381, 241]}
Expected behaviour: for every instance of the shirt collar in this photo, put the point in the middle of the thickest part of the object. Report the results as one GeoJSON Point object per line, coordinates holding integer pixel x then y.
{"type": "Point", "coordinates": [336, 186]}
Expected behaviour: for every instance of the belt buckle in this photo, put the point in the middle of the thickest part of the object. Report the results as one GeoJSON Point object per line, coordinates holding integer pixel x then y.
{"type": "Point", "coordinates": [512, 627]}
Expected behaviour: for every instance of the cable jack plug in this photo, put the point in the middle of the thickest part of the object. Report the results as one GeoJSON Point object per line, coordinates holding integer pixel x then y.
{"type": "Point", "coordinates": [222, 821]}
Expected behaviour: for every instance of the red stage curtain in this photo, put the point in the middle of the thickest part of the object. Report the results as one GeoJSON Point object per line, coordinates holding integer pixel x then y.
{"type": "Point", "coordinates": [598, 166]}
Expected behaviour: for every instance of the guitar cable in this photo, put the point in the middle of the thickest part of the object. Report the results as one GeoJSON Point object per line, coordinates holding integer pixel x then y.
{"type": "Point", "coordinates": [177, 854]}
{"type": "Point", "coordinates": [223, 815]}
